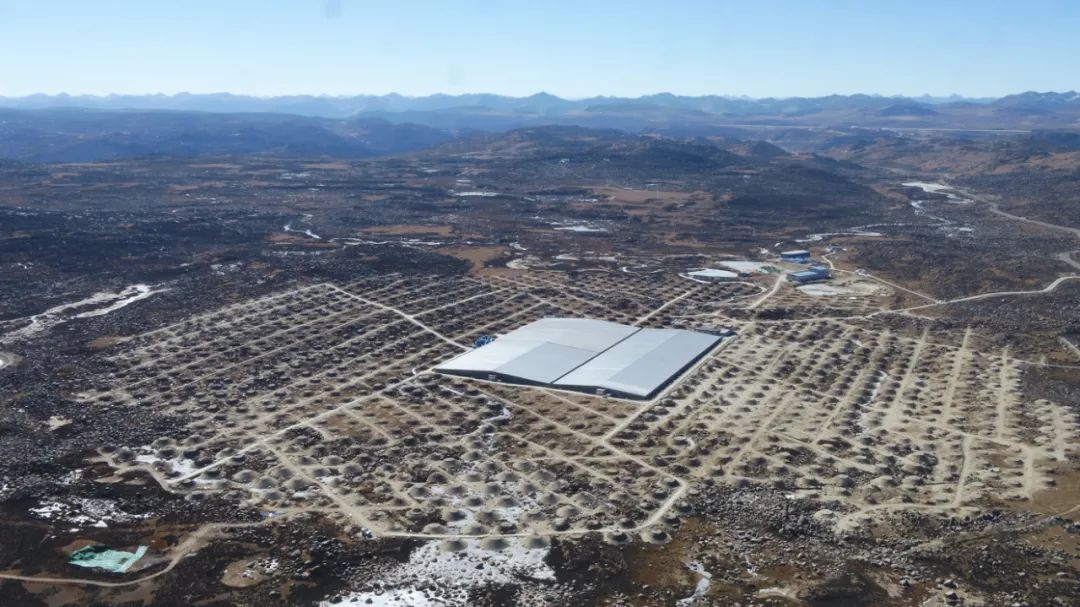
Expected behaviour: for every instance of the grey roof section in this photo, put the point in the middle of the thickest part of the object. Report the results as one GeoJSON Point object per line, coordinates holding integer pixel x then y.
{"type": "Point", "coordinates": [542, 351]}
{"type": "Point", "coordinates": [642, 363]}
{"type": "Point", "coordinates": [545, 363]}
{"type": "Point", "coordinates": [584, 333]}
{"type": "Point", "coordinates": [587, 354]}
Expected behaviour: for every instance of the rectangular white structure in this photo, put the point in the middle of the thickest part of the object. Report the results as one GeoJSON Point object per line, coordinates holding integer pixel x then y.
{"type": "Point", "coordinates": [588, 355]}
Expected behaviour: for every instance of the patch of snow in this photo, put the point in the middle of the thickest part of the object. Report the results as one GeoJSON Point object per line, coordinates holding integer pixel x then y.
{"type": "Point", "coordinates": [937, 188]}
{"type": "Point", "coordinates": [881, 378]}
{"type": "Point", "coordinates": [56, 422]}
{"type": "Point", "coordinates": [86, 512]}
{"type": "Point", "coordinates": [926, 186]}
{"type": "Point", "coordinates": [476, 193]}
{"type": "Point", "coordinates": [581, 229]}
{"type": "Point", "coordinates": [824, 235]}
{"type": "Point", "coordinates": [407, 242]}
{"type": "Point", "coordinates": [703, 583]}
{"type": "Point", "coordinates": [140, 292]}
{"type": "Point", "coordinates": [307, 232]}
{"type": "Point", "coordinates": [777, 591]}
{"type": "Point", "coordinates": [395, 597]}
{"type": "Point", "coordinates": [449, 576]}
{"type": "Point", "coordinates": [180, 466]}
{"type": "Point", "coordinates": [222, 269]}
{"type": "Point", "coordinates": [103, 303]}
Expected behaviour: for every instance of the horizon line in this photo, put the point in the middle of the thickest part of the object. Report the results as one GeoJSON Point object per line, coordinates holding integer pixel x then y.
{"type": "Point", "coordinates": [536, 94]}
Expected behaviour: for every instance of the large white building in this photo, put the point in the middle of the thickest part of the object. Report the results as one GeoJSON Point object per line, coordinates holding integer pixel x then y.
{"type": "Point", "coordinates": [586, 355]}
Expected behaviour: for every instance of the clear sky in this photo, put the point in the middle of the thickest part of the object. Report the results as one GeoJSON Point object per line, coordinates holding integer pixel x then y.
{"type": "Point", "coordinates": [573, 48]}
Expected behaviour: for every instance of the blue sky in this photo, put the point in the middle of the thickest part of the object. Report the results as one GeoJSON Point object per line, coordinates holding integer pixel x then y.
{"type": "Point", "coordinates": [569, 48]}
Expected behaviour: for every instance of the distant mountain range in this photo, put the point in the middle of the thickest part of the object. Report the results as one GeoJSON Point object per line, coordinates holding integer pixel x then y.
{"type": "Point", "coordinates": [664, 110]}
{"type": "Point", "coordinates": [78, 135]}
{"type": "Point", "coordinates": [60, 128]}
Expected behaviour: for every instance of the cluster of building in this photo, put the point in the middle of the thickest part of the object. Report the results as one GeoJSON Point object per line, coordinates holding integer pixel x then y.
{"type": "Point", "coordinates": [601, 357]}
{"type": "Point", "coordinates": [815, 273]}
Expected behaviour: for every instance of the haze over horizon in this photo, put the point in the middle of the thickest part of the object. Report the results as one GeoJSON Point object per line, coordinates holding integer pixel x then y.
{"type": "Point", "coordinates": [951, 96]}
{"type": "Point", "coordinates": [571, 50]}
{"type": "Point", "coordinates": [933, 99]}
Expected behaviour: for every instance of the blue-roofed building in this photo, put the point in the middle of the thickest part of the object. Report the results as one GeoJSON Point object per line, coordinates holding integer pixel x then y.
{"type": "Point", "coordinates": [813, 274]}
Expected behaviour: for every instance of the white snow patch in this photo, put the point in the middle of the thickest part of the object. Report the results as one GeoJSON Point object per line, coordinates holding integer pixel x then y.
{"type": "Point", "coordinates": [396, 597]}
{"type": "Point", "coordinates": [581, 229]}
{"type": "Point", "coordinates": [520, 263]}
{"type": "Point", "coordinates": [936, 188]}
{"type": "Point", "coordinates": [6, 359]}
{"type": "Point", "coordinates": [101, 303]}
{"type": "Point", "coordinates": [450, 575]}
{"type": "Point", "coordinates": [703, 583]}
{"type": "Point", "coordinates": [56, 422]}
{"type": "Point", "coordinates": [405, 242]}
{"type": "Point", "coordinates": [927, 186]}
{"type": "Point", "coordinates": [180, 466]}
{"type": "Point", "coordinates": [824, 235]}
{"type": "Point", "coordinates": [85, 511]}
{"type": "Point", "coordinates": [288, 228]}
{"type": "Point", "coordinates": [476, 193]}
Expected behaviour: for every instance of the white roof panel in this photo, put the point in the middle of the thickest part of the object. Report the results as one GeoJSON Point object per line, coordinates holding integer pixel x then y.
{"type": "Point", "coordinates": [595, 335]}
{"type": "Point", "coordinates": [489, 357]}
{"type": "Point", "coordinates": [541, 351]}
{"type": "Point", "coordinates": [545, 363]}
{"type": "Point", "coordinates": [714, 273]}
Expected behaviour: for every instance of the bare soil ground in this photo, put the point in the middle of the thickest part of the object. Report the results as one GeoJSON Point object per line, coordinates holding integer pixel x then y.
{"type": "Point", "coordinates": [267, 421]}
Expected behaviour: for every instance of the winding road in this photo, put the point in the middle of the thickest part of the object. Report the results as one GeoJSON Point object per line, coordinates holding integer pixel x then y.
{"type": "Point", "coordinates": [1066, 256]}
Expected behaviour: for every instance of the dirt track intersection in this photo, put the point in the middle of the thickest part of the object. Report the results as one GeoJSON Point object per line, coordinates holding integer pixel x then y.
{"type": "Point", "coordinates": [321, 399]}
